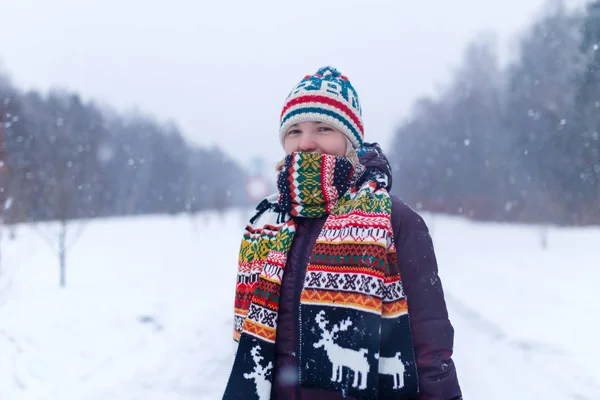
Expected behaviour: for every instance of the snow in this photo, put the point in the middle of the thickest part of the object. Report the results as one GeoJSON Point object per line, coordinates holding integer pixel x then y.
{"type": "Point", "coordinates": [147, 311]}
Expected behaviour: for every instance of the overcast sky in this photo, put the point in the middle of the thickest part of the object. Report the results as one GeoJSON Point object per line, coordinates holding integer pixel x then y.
{"type": "Point", "coordinates": [222, 69]}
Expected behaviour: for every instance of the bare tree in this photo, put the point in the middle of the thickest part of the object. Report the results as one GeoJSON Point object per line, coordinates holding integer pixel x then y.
{"type": "Point", "coordinates": [71, 164]}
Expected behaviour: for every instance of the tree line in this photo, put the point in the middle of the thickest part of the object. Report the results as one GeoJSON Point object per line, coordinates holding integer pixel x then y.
{"type": "Point", "coordinates": [516, 142]}
{"type": "Point", "coordinates": [63, 158]}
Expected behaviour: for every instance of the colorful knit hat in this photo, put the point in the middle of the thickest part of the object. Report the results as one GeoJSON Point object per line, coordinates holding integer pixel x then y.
{"type": "Point", "coordinates": [327, 96]}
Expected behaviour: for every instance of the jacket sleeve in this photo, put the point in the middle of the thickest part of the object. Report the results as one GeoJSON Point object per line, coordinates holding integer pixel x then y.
{"type": "Point", "coordinates": [433, 334]}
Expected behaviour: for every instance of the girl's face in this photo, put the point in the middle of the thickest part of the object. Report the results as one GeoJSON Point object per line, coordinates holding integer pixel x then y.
{"type": "Point", "coordinates": [315, 137]}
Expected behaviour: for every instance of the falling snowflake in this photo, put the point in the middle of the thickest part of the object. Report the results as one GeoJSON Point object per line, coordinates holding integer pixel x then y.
{"type": "Point", "coordinates": [105, 153]}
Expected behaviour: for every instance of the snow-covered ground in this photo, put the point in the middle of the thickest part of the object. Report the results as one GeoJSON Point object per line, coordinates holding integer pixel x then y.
{"type": "Point", "coordinates": [147, 310]}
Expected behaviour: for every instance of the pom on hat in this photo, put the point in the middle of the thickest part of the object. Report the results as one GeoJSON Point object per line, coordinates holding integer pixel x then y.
{"type": "Point", "coordinates": [326, 96]}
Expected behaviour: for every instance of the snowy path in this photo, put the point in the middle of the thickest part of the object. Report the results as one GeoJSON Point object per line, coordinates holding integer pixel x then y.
{"type": "Point", "coordinates": [151, 318]}
{"type": "Point", "coordinates": [493, 366]}
{"type": "Point", "coordinates": [522, 314]}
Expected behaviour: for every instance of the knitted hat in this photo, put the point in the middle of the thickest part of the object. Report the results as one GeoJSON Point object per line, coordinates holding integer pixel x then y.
{"type": "Point", "coordinates": [327, 96]}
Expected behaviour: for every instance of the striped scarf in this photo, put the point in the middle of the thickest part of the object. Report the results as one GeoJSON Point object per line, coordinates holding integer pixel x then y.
{"type": "Point", "coordinates": [354, 325]}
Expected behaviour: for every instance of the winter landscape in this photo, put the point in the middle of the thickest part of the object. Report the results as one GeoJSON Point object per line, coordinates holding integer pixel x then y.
{"type": "Point", "coordinates": [147, 311]}
{"type": "Point", "coordinates": [136, 138]}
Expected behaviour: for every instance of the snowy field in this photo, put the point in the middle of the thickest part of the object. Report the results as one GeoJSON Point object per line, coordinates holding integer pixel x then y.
{"type": "Point", "coordinates": [147, 310]}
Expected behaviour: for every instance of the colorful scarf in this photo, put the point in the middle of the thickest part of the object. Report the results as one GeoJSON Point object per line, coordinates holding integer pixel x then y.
{"type": "Point", "coordinates": [354, 328]}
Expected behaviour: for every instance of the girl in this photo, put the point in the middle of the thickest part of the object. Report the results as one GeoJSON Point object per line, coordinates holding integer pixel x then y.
{"type": "Point", "coordinates": [337, 294]}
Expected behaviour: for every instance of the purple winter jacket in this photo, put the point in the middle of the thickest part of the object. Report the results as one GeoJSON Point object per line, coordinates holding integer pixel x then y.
{"type": "Point", "coordinates": [433, 335]}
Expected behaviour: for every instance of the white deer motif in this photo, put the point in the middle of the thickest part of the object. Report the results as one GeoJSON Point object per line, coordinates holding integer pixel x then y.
{"type": "Point", "coordinates": [263, 386]}
{"type": "Point", "coordinates": [395, 367]}
{"type": "Point", "coordinates": [339, 356]}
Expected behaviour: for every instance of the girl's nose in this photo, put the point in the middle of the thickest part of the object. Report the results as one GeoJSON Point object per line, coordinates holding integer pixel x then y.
{"type": "Point", "coordinates": [307, 143]}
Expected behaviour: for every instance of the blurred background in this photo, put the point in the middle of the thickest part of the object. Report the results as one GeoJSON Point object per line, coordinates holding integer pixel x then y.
{"type": "Point", "coordinates": [136, 137]}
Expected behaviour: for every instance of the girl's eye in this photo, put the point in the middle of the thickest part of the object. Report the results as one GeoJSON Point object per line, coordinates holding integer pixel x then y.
{"type": "Point", "coordinates": [325, 129]}
{"type": "Point", "coordinates": [293, 131]}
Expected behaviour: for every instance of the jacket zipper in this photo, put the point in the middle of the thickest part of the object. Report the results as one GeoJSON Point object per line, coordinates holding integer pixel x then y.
{"type": "Point", "coordinates": [299, 287]}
